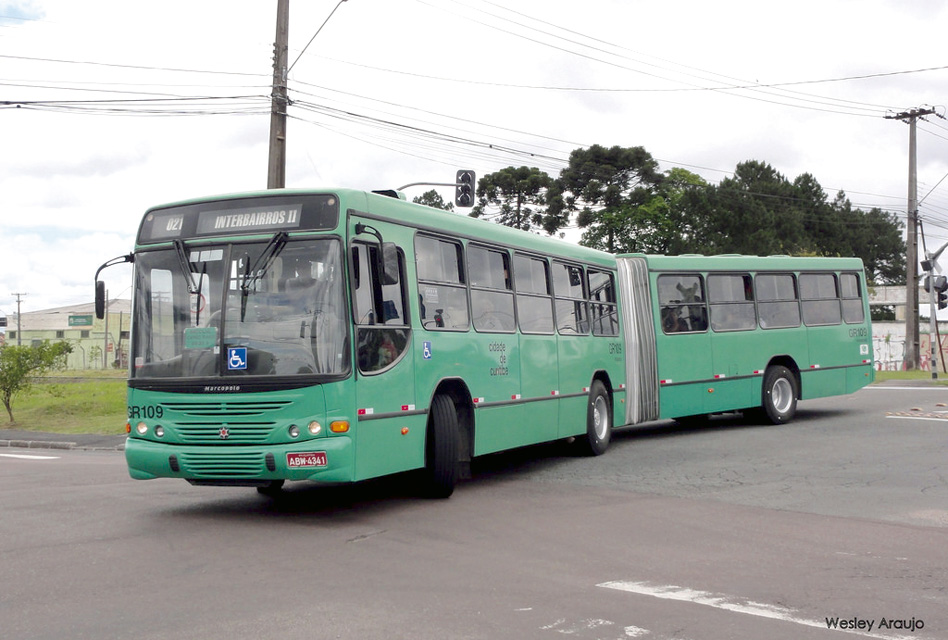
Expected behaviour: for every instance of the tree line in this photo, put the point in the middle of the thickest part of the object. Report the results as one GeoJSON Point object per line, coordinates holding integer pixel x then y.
{"type": "Point", "coordinates": [625, 204]}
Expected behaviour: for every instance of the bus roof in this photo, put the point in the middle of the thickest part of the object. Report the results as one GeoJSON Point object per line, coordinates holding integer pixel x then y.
{"type": "Point", "coordinates": [734, 262]}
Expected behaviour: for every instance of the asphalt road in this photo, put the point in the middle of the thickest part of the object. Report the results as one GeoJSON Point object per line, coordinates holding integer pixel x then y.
{"type": "Point", "coordinates": [729, 531]}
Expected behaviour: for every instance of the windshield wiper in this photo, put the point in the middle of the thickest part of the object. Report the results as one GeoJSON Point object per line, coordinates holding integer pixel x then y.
{"type": "Point", "coordinates": [263, 262]}
{"type": "Point", "coordinates": [185, 265]}
{"type": "Point", "coordinates": [260, 267]}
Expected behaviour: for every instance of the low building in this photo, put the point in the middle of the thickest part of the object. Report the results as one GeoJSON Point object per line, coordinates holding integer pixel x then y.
{"type": "Point", "coordinates": [96, 344]}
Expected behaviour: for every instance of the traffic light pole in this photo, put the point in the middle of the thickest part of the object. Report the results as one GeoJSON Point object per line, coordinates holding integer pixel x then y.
{"type": "Point", "coordinates": [463, 187]}
{"type": "Point", "coordinates": [933, 320]}
{"type": "Point", "coordinates": [936, 287]}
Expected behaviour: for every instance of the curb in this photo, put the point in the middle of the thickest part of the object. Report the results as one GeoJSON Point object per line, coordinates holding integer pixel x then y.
{"type": "Point", "coordinates": [40, 444]}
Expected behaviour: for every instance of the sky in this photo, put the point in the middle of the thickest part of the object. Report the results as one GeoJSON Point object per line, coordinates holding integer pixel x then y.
{"type": "Point", "coordinates": [108, 107]}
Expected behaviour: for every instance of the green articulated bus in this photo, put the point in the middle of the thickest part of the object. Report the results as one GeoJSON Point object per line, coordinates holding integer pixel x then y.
{"type": "Point", "coordinates": [336, 336]}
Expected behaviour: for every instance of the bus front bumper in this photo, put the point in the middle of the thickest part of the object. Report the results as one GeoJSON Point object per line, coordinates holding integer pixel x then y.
{"type": "Point", "coordinates": [327, 460]}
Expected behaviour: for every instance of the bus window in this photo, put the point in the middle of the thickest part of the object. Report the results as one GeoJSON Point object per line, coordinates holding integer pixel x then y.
{"type": "Point", "coordinates": [381, 326]}
{"type": "Point", "coordinates": [777, 302]}
{"type": "Point", "coordinates": [491, 295]}
{"type": "Point", "coordinates": [853, 312]}
{"type": "Point", "coordinates": [534, 304]}
{"type": "Point", "coordinates": [732, 302]}
{"type": "Point", "coordinates": [572, 316]}
{"type": "Point", "coordinates": [681, 298]}
{"type": "Point", "coordinates": [820, 300]}
{"type": "Point", "coordinates": [443, 296]}
{"type": "Point", "coordinates": [603, 312]}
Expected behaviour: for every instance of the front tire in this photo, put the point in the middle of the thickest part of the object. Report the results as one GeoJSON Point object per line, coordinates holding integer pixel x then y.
{"type": "Point", "coordinates": [598, 421]}
{"type": "Point", "coordinates": [441, 449]}
{"type": "Point", "coordinates": [779, 395]}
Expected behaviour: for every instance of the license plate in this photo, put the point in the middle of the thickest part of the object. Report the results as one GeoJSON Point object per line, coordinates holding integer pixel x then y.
{"type": "Point", "coordinates": [307, 459]}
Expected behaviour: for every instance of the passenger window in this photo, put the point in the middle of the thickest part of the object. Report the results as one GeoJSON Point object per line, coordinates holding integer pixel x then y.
{"type": "Point", "coordinates": [777, 303]}
{"type": "Point", "coordinates": [732, 302]}
{"type": "Point", "coordinates": [821, 305]}
{"type": "Point", "coordinates": [441, 288]}
{"type": "Point", "coordinates": [492, 300]}
{"type": "Point", "coordinates": [853, 311]}
{"type": "Point", "coordinates": [382, 330]}
{"type": "Point", "coordinates": [534, 304]}
{"type": "Point", "coordinates": [572, 315]}
{"type": "Point", "coordinates": [603, 310]}
{"type": "Point", "coordinates": [682, 302]}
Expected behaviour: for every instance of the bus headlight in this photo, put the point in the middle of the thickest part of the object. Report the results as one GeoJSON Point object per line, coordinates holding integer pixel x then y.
{"type": "Point", "coordinates": [315, 428]}
{"type": "Point", "coordinates": [294, 431]}
{"type": "Point", "coordinates": [141, 428]}
{"type": "Point", "coordinates": [159, 431]}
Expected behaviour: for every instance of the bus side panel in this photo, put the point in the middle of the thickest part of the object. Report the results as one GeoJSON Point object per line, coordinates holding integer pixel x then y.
{"type": "Point", "coordinates": [539, 377]}
{"type": "Point", "coordinates": [493, 377]}
{"type": "Point", "coordinates": [684, 358]}
{"type": "Point", "coordinates": [575, 360]}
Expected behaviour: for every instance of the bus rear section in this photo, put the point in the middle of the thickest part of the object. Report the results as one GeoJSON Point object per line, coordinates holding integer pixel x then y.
{"type": "Point", "coordinates": [715, 334]}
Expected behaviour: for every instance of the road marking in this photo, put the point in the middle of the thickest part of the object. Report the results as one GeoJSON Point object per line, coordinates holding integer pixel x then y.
{"type": "Point", "coordinates": [917, 418]}
{"type": "Point", "coordinates": [732, 604]}
{"type": "Point", "coordinates": [27, 457]}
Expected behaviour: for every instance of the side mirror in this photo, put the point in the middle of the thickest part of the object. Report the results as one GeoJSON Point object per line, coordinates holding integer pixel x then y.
{"type": "Point", "coordinates": [389, 263]}
{"type": "Point", "coordinates": [99, 299]}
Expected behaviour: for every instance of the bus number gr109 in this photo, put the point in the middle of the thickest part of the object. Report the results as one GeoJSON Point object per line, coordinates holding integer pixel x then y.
{"type": "Point", "coordinates": [859, 332]}
{"type": "Point", "coordinates": [146, 411]}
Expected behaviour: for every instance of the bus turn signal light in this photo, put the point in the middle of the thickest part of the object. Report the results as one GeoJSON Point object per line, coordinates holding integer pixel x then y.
{"type": "Point", "coordinates": [339, 426]}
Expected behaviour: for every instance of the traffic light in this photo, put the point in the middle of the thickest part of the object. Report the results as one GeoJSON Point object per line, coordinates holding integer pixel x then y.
{"type": "Point", "coordinates": [937, 287]}
{"type": "Point", "coordinates": [464, 188]}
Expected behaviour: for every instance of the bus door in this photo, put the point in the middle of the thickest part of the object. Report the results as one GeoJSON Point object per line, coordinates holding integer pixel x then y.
{"type": "Point", "coordinates": [685, 371]}
{"type": "Point", "coordinates": [390, 430]}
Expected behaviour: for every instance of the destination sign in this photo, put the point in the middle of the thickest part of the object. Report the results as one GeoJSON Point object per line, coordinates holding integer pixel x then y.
{"type": "Point", "coordinates": [240, 216]}
{"type": "Point", "coordinates": [249, 219]}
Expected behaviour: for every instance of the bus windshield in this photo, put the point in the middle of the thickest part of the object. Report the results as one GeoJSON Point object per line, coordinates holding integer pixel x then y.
{"type": "Point", "coordinates": [218, 310]}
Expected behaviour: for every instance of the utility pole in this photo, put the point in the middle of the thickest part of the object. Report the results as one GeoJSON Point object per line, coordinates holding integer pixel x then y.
{"type": "Point", "coordinates": [276, 170]}
{"type": "Point", "coordinates": [911, 271]}
{"type": "Point", "coordinates": [19, 333]}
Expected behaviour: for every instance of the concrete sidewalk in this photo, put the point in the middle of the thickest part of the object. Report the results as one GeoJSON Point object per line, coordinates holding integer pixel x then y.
{"type": "Point", "coordinates": [14, 438]}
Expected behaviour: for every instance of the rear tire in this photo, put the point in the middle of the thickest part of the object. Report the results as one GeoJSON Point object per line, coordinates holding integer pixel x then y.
{"type": "Point", "coordinates": [779, 395]}
{"type": "Point", "coordinates": [441, 449]}
{"type": "Point", "coordinates": [598, 421]}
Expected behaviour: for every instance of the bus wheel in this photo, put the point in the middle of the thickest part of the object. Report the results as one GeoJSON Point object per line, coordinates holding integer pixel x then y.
{"type": "Point", "coordinates": [441, 448]}
{"type": "Point", "coordinates": [779, 395]}
{"type": "Point", "coordinates": [598, 421]}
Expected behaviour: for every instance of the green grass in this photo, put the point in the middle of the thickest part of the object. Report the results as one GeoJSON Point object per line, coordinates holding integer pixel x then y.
{"type": "Point", "coordinates": [72, 402]}
{"type": "Point", "coordinates": [885, 376]}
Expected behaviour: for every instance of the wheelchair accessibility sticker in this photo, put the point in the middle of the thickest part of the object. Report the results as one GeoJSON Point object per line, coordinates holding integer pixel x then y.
{"type": "Point", "coordinates": [236, 358]}
{"type": "Point", "coordinates": [426, 350]}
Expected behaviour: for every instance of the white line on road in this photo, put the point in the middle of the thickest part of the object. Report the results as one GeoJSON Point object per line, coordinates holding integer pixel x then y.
{"type": "Point", "coordinates": [732, 604]}
{"type": "Point", "coordinates": [28, 457]}
{"type": "Point", "coordinates": [917, 418]}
